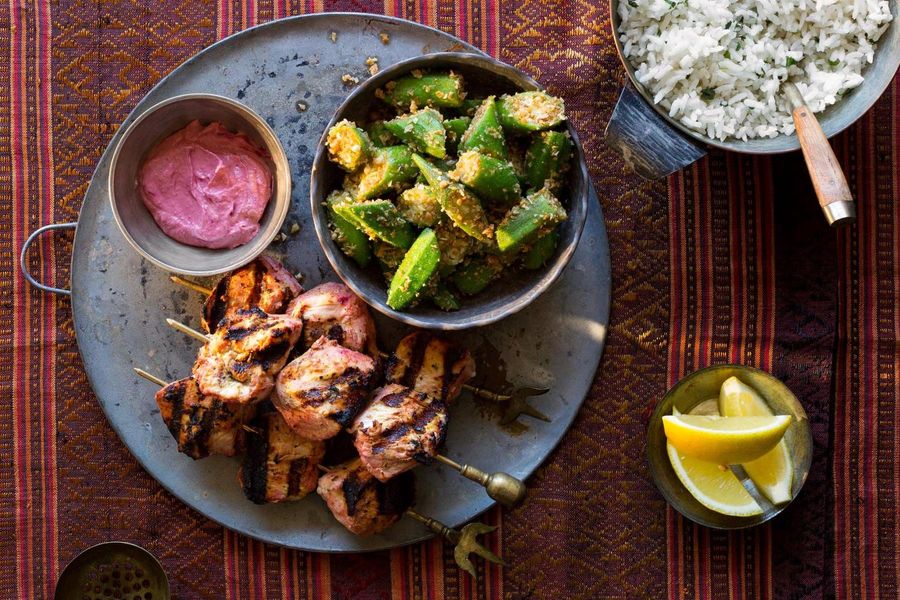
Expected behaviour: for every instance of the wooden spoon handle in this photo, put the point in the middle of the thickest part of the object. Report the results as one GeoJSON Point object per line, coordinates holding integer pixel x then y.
{"type": "Point", "coordinates": [827, 177]}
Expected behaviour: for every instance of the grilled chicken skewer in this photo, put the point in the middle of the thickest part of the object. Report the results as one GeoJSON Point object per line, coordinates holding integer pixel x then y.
{"type": "Point", "coordinates": [201, 425]}
{"type": "Point", "coordinates": [278, 466]}
{"type": "Point", "coordinates": [357, 334]}
{"type": "Point", "coordinates": [502, 487]}
{"type": "Point", "coordinates": [365, 506]}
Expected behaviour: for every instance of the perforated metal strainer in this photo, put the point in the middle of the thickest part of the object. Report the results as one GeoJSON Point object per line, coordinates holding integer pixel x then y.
{"type": "Point", "coordinates": [113, 571]}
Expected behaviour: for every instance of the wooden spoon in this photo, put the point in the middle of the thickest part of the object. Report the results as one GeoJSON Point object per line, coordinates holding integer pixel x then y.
{"type": "Point", "coordinates": [827, 177]}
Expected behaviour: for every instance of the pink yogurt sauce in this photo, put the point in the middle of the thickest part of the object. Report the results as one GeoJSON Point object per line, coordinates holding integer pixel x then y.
{"type": "Point", "coordinates": [206, 186]}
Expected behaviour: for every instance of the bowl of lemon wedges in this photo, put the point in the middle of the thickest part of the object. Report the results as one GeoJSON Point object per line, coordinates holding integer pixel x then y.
{"type": "Point", "coordinates": [729, 446]}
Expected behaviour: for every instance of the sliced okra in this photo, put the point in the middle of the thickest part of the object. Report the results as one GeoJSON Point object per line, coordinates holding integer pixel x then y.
{"type": "Point", "coordinates": [470, 105]}
{"type": "Point", "coordinates": [530, 111]}
{"type": "Point", "coordinates": [541, 251]}
{"type": "Point", "coordinates": [531, 218]}
{"type": "Point", "coordinates": [419, 205]}
{"type": "Point", "coordinates": [475, 275]}
{"type": "Point", "coordinates": [352, 242]}
{"type": "Point", "coordinates": [491, 179]}
{"type": "Point", "coordinates": [348, 145]}
{"type": "Point", "coordinates": [423, 130]}
{"type": "Point", "coordinates": [380, 220]}
{"type": "Point", "coordinates": [455, 129]}
{"type": "Point", "coordinates": [389, 169]}
{"type": "Point", "coordinates": [547, 160]}
{"type": "Point", "coordinates": [463, 207]}
{"type": "Point", "coordinates": [484, 133]}
{"type": "Point", "coordinates": [380, 136]}
{"type": "Point", "coordinates": [415, 270]}
{"type": "Point", "coordinates": [455, 244]}
{"type": "Point", "coordinates": [443, 90]}
{"type": "Point", "coordinates": [444, 298]}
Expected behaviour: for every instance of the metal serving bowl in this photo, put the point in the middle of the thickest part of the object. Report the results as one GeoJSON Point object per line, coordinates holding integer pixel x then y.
{"type": "Point", "coordinates": [136, 222]}
{"type": "Point", "coordinates": [511, 293]}
{"type": "Point", "coordinates": [702, 385]}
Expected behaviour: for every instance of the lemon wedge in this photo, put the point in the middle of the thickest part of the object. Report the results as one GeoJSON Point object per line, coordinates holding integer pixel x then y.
{"type": "Point", "coordinates": [714, 486]}
{"type": "Point", "coordinates": [773, 472]}
{"type": "Point", "coordinates": [725, 440]}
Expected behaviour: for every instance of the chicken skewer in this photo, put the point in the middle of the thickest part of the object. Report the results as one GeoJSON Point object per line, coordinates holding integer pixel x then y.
{"type": "Point", "coordinates": [367, 506]}
{"type": "Point", "coordinates": [502, 487]}
{"type": "Point", "coordinates": [279, 465]}
{"type": "Point", "coordinates": [516, 402]}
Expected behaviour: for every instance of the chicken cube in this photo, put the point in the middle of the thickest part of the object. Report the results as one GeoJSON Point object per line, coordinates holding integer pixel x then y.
{"type": "Point", "coordinates": [333, 310]}
{"type": "Point", "coordinates": [431, 364]}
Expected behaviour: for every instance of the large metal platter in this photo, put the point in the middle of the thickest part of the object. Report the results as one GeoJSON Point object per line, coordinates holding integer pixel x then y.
{"type": "Point", "coordinates": [119, 301]}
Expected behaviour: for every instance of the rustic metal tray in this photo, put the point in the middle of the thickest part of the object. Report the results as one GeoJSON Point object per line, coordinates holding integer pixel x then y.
{"type": "Point", "coordinates": [289, 71]}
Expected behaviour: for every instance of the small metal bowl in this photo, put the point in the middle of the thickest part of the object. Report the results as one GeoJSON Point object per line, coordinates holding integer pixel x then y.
{"type": "Point", "coordinates": [113, 570]}
{"type": "Point", "coordinates": [506, 296]}
{"type": "Point", "coordinates": [702, 385]}
{"type": "Point", "coordinates": [136, 222]}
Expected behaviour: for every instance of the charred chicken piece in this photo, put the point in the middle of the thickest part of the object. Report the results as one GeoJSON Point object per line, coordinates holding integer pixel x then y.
{"type": "Point", "coordinates": [333, 310]}
{"type": "Point", "coordinates": [400, 429]}
{"type": "Point", "coordinates": [360, 502]}
{"type": "Point", "coordinates": [202, 425]}
{"type": "Point", "coordinates": [263, 284]}
{"type": "Point", "coordinates": [241, 359]}
{"type": "Point", "coordinates": [279, 464]}
{"type": "Point", "coordinates": [432, 364]}
{"type": "Point", "coordinates": [321, 391]}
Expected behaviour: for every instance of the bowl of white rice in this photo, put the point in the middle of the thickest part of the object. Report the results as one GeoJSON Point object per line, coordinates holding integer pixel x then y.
{"type": "Point", "coordinates": [714, 68]}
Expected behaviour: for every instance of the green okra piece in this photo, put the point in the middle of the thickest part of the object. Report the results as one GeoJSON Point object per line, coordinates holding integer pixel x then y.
{"type": "Point", "coordinates": [380, 136]}
{"type": "Point", "coordinates": [422, 130]}
{"type": "Point", "coordinates": [541, 251]}
{"type": "Point", "coordinates": [463, 207]}
{"type": "Point", "coordinates": [442, 90]}
{"type": "Point", "coordinates": [470, 105]}
{"type": "Point", "coordinates": [388, 169]}
{"type": "Point", "coordinates": [476, 274]}
{"type": "Point", "coordinates": [348, 145]}
{"type": "Point", "coordinates": [380, 220]}
{"type": "Point", "coordinates": [547, 159]}
{"type": "Point", "coordinates": [444, 298]}
{"type": "Point", "coordinates": [484, 133]}
{"type": "Point", "coordinates": [352, 242]}
{"type": "Point", "coordinates": [415, 270]}
{"type": "Point", "coordinates": [534, 216]}
{"type": "Point", "coordinates": [455, 129]}
{"type": "Point", "coordinates": [419, 205]}
{"type": "Point", "coordinates": [455, 244]}
{"type": "Point", "coordinates": [530, 111]}
{"type": "Point", "coordinates": [491, 179]}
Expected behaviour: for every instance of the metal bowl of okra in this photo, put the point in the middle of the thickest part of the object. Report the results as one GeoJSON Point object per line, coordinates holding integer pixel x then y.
{"type": "Point", "coordinates": [449, 190]}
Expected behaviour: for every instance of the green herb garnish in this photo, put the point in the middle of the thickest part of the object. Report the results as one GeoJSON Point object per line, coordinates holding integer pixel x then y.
{"type": "Point", "coordinates": [708, 93]}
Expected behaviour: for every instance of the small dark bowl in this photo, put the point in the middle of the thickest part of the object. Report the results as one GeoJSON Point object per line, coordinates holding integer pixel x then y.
{"type": "Point", "coordinates": [506, 296]}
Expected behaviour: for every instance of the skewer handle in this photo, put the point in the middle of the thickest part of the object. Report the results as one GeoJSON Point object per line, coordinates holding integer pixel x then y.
{"type": "Point", "coordinates": [502, 487]}
{"type": "Point", "coordinates": [824, 169]}
{"type": "Point", "coordinates": [448, 533]}
{"type": "Point", "coordinates": [486, 394]}
{"type": "Point", "coordinates": [150, 377]}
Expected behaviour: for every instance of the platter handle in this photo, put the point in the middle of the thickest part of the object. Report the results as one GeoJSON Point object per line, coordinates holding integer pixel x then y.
{"type": "Point", "coordinates": [649, 145]}
{"type": "Point", "coordinates": [23, 265]}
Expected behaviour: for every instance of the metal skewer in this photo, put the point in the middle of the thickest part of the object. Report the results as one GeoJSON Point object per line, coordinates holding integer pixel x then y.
{"type": "Point", "coordinates": [465, 541]}
{"type": "Point", "coordinates": [516, 403]}
{"type": "Point", "coordinates": [502, 487]}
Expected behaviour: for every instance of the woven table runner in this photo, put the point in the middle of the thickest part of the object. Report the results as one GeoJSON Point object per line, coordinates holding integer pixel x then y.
{"type": "Point", "coordinates": [727, 261]}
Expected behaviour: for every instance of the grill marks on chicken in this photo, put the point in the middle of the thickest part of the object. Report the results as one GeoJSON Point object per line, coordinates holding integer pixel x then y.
{"type": "Point", "coordinates": [321, 391]}
{"type": "Point", "coordinates": [201, 424]}
{"type": "Point", "coordinates": [242, 357]}
{"type": "Point", "coordinates": [334, 311]}
{"type": "Point", "coordinates": [279, 464]}
{"type": "Point", "coordinates": [360, 502]}
{"type": "Point", "coordinates": [398, 430]}
{"type": "Point", "coordinates": [431, 364]}
{"type": "Point", "coordinates": [263, 284]}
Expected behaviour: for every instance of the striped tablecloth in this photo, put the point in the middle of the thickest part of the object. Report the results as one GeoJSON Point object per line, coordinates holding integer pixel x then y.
{"type": "Point", "coordinates": [728, 261]}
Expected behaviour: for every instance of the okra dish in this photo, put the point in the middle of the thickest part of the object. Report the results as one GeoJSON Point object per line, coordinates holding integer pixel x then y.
{"type": "Point", "coordinates": [447, 193]}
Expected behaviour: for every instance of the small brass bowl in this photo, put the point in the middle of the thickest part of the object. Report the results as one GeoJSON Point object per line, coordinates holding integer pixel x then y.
{"type": "Point", "coordinates": [702, 385]}
{"type": "Point", "coordinates": [113, 570]}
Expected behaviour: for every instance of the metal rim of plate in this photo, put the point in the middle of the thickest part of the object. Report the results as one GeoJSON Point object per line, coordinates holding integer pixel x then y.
{"type": "Point", "coordinates": [116, 321]}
